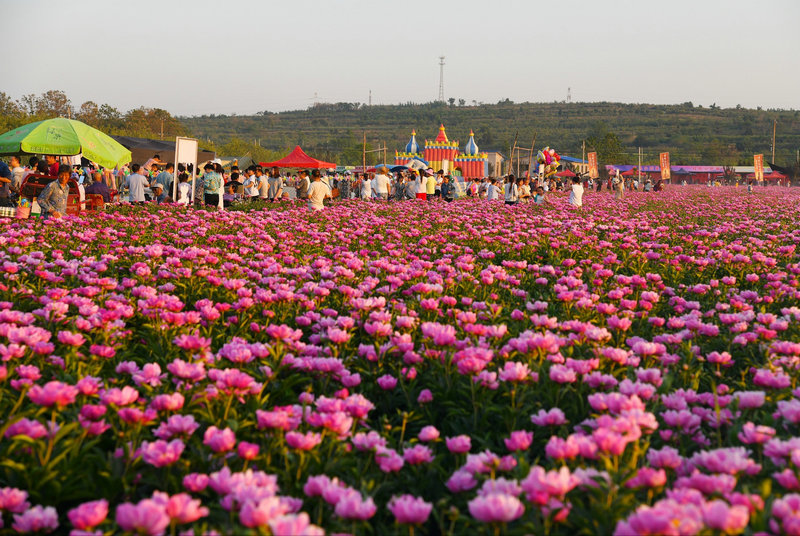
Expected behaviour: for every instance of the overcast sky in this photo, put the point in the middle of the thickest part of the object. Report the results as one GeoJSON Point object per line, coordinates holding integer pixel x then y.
{"type": "Point", "coordinates": [240, 56]}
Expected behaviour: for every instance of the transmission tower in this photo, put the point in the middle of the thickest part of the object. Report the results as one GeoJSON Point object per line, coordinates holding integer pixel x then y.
{"type": "Point", "coordinates": [569, 94]}
{"type": "Point", "coordinates": [441, 78]}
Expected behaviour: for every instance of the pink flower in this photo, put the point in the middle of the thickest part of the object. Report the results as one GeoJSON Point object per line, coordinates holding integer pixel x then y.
{"type": "Point", "coordinates": [301, 441]}
{"type": "Point", "coordinates": [36, 519]}
{"type": "Point", "coordinates": [425, 396]}
{"type": "Point", "coordinates": [387, 382]}
{"type": "Point", "coordinates": [219, 440]}
{"type": "Point", "coordinates": [554, 417]}
{"type": "Point", "coordinates": [562, 374]}
{"type": "Point", "coordinates": [296, 524]}
{"type": "Point", "coordinates": [352, 506]}
{"type": "Point", "coordinates": [88, 515]}
{"type": "Point", "coordinates": [258, 514]}
{"type": "Point", "coordinates": [247, 451]}
{"type": "Point", "coordinates": [195, 482]}
{"type": "Point", "coordinates": [496, 508]}
{"type": "Point", "coordinates": [519, 440]}
{"type": "Point", "coordinates": [388, 460]}
{"type": "Point", "coordinates": [119, 397]}
{"type": "Point", "coordinates": [71, 339]}
{"type": "Point", "coordinates": [183, 509]}
{"type": "Point", "coordinates": [160, 453]}
{"type": "Point", "coordinates": [418, 454]}
{"type": "Point", "coordinates": [750, 399]}
{"type": "Point", "coordinates": [26, 427]}
{"type": "Point", "coordinates": [461, 481]}
{"type": "Point", "coordinates": [718, 515]}
{"type": "Point", "coordinates": [409, 509]}
{"type": "Point", "coordinates": [428, 433]}
{"type": "Point", "coordinates": [147, 517]}
{"type": "Point", "coordinates": [459, 444]}
{"type": "Point", "coordinates": [14, 500]}
{"type": "Point", "coordinates": [53, 393]}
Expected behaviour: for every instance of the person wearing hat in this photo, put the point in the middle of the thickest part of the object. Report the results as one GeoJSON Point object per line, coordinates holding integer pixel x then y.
{"type": "Point", "coordinates": [53, 199]}
{"type": "Point", "coordinates": [158, 193]}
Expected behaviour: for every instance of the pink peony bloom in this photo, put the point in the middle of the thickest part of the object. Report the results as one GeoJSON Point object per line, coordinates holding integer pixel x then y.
{"type": "Point", "coordinates": [147, 517]}
{"type": "Point", "coordinates": [418, 454]}
{"type": "Point", "coordinates": [53, 393]}
{"type": "Point", "coordinates": [294, 524]}
{"type": "Point", "coordinates": [301, 441]}
{"type": "Point", "coordinates": [258, 514]}
{"type": "Point", "coordinates": [718, 515]}
{"type": "Point", "coordinates": [519, 440]}
{"type": "Point", "coordinates": [183, 509]}
{"type": "Point", "coordinates": [409, 509]}
{"type": "Point", "coordinates": [219, 440]}
{"type": "Point", "coordinates": [352, 506]}
{"type": "Point", "coordinates": [459, 444]}
{"type": "Point", "coordinates": [496, 508]}
{"type": "Point", "coordinates": [89, 514]}
{"type": "Point", "coordinates": [160, 453]}
{"type": "Point", "coordinates": [247, 451]}
{"type": "Point", "coordinates": [36, 519]}
{"type": "Point", "coordinates": [428, 433]}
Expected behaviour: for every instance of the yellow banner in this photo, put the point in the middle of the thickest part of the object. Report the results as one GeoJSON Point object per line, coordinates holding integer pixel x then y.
{"type": "Point", "coordinates": [665, 171]}
{"type": "Point", "coordinates": [593, 165]}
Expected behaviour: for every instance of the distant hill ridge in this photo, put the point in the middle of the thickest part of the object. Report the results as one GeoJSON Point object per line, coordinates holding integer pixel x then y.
{"type": "Point", "coordinates": [692, 134]}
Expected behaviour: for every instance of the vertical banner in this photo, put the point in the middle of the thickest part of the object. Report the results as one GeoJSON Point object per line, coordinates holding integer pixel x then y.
{"type": "Point", "coordinates": [758, 163]}
{"type": "Point", "coordinates": [593, 165]}
{"type": "Point", "coordinates": [665, 171]}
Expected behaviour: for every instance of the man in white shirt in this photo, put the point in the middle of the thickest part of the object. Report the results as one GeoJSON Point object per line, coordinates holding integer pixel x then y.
{"type": "Point", "coordinates": [491, 191]}
{"type": "Point", "coordinates": [576, 195]}
{"type": "Point", "coordinates": [317, 192]}
{"type": "Point", "coordinates": [251, 182]}
{"type": "Point", "coordinates": [17, 173]}
{"type": "Point", "coordinates": [136, 185]}
{"type": "Point", "coordinates": [382, 184]}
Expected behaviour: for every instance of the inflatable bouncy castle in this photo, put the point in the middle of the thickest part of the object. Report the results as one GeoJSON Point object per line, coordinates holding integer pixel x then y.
{"type": "Point", "coordinates": [442, 153]}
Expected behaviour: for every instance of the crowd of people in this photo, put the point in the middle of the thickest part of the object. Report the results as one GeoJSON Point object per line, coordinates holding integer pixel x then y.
{"type": "Point", "coordinates": [157, 181]}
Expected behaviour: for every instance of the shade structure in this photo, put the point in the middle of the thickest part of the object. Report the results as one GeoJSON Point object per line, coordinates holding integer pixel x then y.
{"type": "Point", "coordinates": [65, 137]}
{"type": "Point", "coordinates": [299, 159]}
{"type": "Point", "coordinates": [629, 173]}
{"type": "Point", "coordinates": [566, 173]}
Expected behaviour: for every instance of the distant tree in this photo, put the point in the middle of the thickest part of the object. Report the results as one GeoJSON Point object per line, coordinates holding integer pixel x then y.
{"type": "Point", "coordinates": [11, 114]}
{"type": "Point", "coordinates": [89, 113]}
{"type": "Point", "coordinates": [451, 101]}
{"type": "Point", "coordinates": [461, 102]}
{"type": "Point", "coordinates": [54, 103]}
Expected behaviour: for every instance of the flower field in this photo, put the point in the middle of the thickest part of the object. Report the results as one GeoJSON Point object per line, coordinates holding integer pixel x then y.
{"type": "Point", "coordinates": [408, 368]}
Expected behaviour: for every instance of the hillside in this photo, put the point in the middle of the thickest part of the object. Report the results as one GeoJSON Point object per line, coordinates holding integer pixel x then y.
{"type": "Point", "coordinates": [692, 134]}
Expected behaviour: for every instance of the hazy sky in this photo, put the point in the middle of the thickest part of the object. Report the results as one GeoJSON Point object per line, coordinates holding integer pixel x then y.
{"type": "Point", "coordinates": [240, 56]}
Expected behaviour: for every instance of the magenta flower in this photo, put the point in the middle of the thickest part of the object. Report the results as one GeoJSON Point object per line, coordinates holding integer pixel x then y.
{"type": "Point", "coordinates": [298, 524]}
{"type": "Point", "coordinates": [219, 440]}
{"type": "Point", "coordinates": [14, 500]}
{"type": "Point", "coordinates": [496, 508]}
{"type": "Point", "coordinates": [160, 453]}
{"type": "Point", "coordinates": [459, 444]}
{"type": "Point", "coordinates": [183, 509]}
{"type": "Point", "coordinates": [418, 454]}
{"type": "Point", "coordinates": [36, 519]}
{"type": "Point", "coordinates": [301, 441]}
{"type": "Point", "coordinates": [352, 506]}
{"type": "Point", "coordinates": [146, 517]}
{"type": "Point", "coordinates": [425, 396]}
{"type": "Point", "coordinates": [428, 433]}
{"type": "Point", "coordinates": [258, 514]}
{"type": "Point", "coordinates": [718, 515]}
{"type": "Point", "coordinates": [519, 440]}
{"type": "Point", "coordinates": [88, 515]}
{"type": "Point", "coordinates": [408, 509]}
{"type": "Point", "coordinates": [53, 393]}
{"type": "Point", "coordinates": [247, 451]}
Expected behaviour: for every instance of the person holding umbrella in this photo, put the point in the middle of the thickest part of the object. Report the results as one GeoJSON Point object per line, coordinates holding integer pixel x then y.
{"type": "Point", "coordinates": [53, 199]}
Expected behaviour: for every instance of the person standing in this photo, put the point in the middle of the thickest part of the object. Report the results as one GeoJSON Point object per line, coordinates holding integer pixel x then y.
{"type": "Point", "coordinates": [317, 192]}
{"type": "Point", "coordinates": [17, 172]}
{"type": "Point", "coordinates": [430, 187]}
{"type": "Point", "coordinates": [576, 195]}
{"type": "Point", "coordinates": [366, 187]}
{"type": "Point", "coordinates": [382, 183]}
{"type": "Point", "coordinates": [511, 191]}
{"type": "Point", "coordinates": [303, 184]}
{"type": "Point", "coordinates": [619, 187]}
{"type": "Point", "coordinates": [492, 192]}
{"type": "Point", "coordinates": [136, 185]}
{"type": "Point", "coordinates": [211, 185]}
{"type": "Point", "coordinates": [275, 184]}
{"type": "Point", "coordinates": [53, 199]}
{"type": "Point", "coordinates": [165, 179]}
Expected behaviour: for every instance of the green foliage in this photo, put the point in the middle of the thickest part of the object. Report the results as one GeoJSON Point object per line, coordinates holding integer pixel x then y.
{"type": "Point", "coordinates": [691, 133]}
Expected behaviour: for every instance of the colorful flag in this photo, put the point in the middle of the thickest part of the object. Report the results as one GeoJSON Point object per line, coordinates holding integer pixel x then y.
{"type": "Point", "coordinates": [593, 165]}
{"type": "Point", "coordinates": [665, 171]}
{"type": "Point", "coordinates": [758, 163]}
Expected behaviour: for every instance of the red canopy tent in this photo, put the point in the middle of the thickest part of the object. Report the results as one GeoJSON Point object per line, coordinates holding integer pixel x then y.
{"type": "Point", "coordinates": [299, 159]}
{"type": "Point", "coordinates": [566, 173]}
{"type": "Point", "coordinates": [629, 173]}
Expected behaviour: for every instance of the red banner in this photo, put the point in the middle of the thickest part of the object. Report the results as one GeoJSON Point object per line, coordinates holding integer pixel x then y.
{"type": "Point", "coordinates": [758, 163]}
{"type": "Point", "coordinates": [593, 165]}
{"type": "Point", "coordinates": [665, 171]}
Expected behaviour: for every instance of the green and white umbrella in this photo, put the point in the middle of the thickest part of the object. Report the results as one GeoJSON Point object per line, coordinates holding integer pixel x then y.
{"type": "Point", "coordinates": [64, 137]}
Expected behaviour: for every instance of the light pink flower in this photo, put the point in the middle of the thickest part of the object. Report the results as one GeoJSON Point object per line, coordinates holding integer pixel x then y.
{"type": "Point", "coordinates": [496, 508]}
{"type": "Point", "coordinates": [147, 517]}
{"type": "Point", "coordinates": [219, 440]}
{"type": "Point", "coordinates": [409, 509]}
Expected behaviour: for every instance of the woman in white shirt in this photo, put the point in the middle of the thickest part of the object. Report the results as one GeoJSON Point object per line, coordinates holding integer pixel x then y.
{"type": "Point", "coordinates": [512, 191]}
{"type": "Point", "coordinates": [366, 188]}
{"type": "Point", "coordinates": [576, 196]}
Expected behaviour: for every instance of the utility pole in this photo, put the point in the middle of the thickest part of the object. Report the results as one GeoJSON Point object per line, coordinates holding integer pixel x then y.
{"type": "Point", "coordinates": [370, 97]}
{"type": "Point", "coordinates": [441, 78]}
{"type": "Point", "coordinates": [640, 165]}
{"type": "Point", "coordinates": [774, 128]}
{"type": "Point", "coordinates": [583, 155]}
{"type": "Point", "coordinates": [162, 129]}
